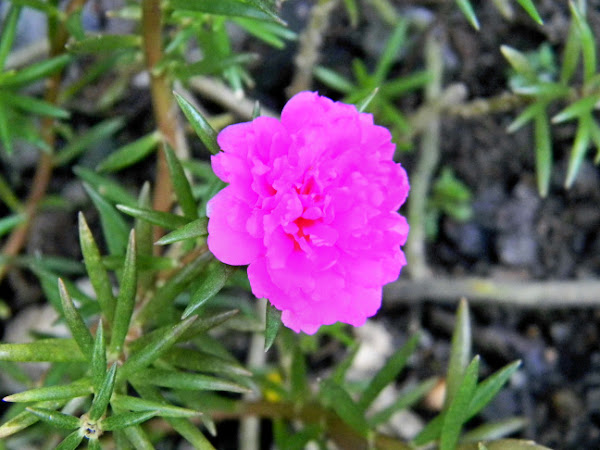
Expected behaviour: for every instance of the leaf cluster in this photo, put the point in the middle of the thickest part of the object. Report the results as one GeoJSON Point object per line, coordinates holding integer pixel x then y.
{"type": "Point", "coordinates": [376, 87]}
{"type": "Point", "coordinates": [141, 344]}
{"type": "Point", "coordinates": [546, 87]}
{"type": "Point", "coordinates": [118, 347]}
{"type": "Point", "coordinates": [341, 411]}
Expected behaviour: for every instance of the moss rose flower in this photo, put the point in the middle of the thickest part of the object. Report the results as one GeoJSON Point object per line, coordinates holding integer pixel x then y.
{"type": "Point", "coordinates": [311, 206]}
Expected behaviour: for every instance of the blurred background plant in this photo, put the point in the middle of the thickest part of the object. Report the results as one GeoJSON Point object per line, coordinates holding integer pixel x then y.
{"type": "Point", "coordinates": [143, 344]}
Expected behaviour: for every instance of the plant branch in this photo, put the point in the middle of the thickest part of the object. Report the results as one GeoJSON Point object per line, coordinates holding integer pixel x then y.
{"type": "Point", "coordinates": [163, 103]}
{"type": "Point", "coordinates": [249, 433]}
{"type": "Point", "coordinates": [343, 435]}
{"type": "Point", "coordinates": [525, 294]}
{"type": "Point", "coordinates": [222, 94]}
{"type": "Point", "coordinates": [427, 162]}
{"type": "Point", "coordinates": [310, 45]}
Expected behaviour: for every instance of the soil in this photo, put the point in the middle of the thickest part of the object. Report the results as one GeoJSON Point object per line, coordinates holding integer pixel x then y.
{"type": "Point", "coordinates": [513, 233]}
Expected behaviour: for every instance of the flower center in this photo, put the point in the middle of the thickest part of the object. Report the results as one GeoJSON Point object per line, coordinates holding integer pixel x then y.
{"type": "Point", "coordinates": [301, 237]}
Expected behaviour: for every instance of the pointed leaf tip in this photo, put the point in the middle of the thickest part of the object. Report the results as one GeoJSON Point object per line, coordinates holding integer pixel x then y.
{"type": "Point", "coordinates": [205, 132]}
{"type": "Point", "coordinates": [272, 324]}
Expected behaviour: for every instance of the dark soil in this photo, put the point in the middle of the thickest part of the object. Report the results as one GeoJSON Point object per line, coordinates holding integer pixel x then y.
{"type": "Point", "coordinates": [513, 232]}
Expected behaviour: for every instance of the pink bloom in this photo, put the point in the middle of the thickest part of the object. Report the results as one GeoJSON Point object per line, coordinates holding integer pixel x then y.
{"type": "Point", "coordinates": [311, 206]}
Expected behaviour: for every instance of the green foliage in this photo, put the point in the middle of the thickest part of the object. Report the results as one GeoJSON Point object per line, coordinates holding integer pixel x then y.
{"type": "Point", "coordinates": [467, 9]}
{"type": "Point", "coordinates": [210, 282]}
{"type": "Point", "coordinates": [388, 373]}
{"type": "Point", "coordinates": [450, 197]}
{"type": "Point", "coordinates": [465, 397]}
{"type": "Point", "coordinates": [150, 339]}
{"type": "Point", "coordinates": [272, 324]}
{"type": "Point", "coordinates": [375, 92]}
{"type": "Point", "coordinates": [535, 76]}
{"type": "Point", "coordinates": [205, 132]}
{"type": "Point", "coordinates": [129, 154]}
{"type": "Point", "coordinates": [185, 371]}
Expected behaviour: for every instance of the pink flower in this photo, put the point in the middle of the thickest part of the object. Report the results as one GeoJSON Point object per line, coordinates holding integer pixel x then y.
{"type": "Point", "coordinates": [311, 206]}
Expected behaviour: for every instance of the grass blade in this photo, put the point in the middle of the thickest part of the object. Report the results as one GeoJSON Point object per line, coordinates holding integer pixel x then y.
{"type": "Point", "coordinates": [9, 31]}
{"type": "Point", "coordinates": [50, 350]}
{"type": "Point", "coordinates": [163, 409]}
{"type": "Point", "coordinates": [153, 350]}
{"type": "Point", "coordinates": [272, 324]}
{"type": "Point", "coordinates": [181, 185]}
{"type": "Point", "coordinates": [99, 358]}
{"type": "Point", "coordinates": [543, 151]}
{"type": "Point", "coordinates": [102, 397]}
{"type": "Point", "coordinates": [457, 411]}
{"type": "Point", "coordinates": [411, 397]}
{"type": "Point", "coordinates": [580, 147]}
{"type": "Point", "coordinates": [104, 43]}
{"type": "Point", "coordinates": [388, 373]}
{"type": "Point", "coordinates": [205, 132]}
{"type": "Point", "coordinates": [55, 418]}
{"type": "Point", "coordinates": [95, 269]}
{"type": "Point", "coordinates": [129, 154]}
{"type": "Point", "coordinates": [34, 106]}
{"type": "Point", "coordinates": [460, 353]}
{"type": "Point", "coordinates": [78, 388]}
{"type": "Point", "coordinates": [125, 300]}
{"type": "Point", "coordinates": [114, 228]}
{"type": "Point", "coordinates": [125, 420]}
{"type": "Point", "coordinates": [71, 442]}
{"type": "Point", "coordinates": [198, 361]}
{"type": "Point", "coordinates": [467, 9]}
{"type": "Point", "coordinates": [495, 430]}
{"type": "Point", "coordinates": [229, 8]}
{"type": "Point", "coordinates": [588, 44]}
{"type": "Point", "coordinates": [76, 325]}
{"type": "Point", "coordinates": [212, 280]}
{"type": "Point", "coordinates": [191, 433]}
{"type": "Point", "coordinates": [82, 142]}
{"type": "Point", "coordinates": [111, 190]}
{"type": "Point", "coordinates": [34, 72]}
{"type": "Point", "coordinates": [192, 230]}
{"type": "Point", "coordinates": [160, 218]}
{"type": "Point", "coordinates": [341, 402]}
{"type": "Point", "coordinates": [185, 381]}
{"type": "Point", "coordinates": [528, 6]}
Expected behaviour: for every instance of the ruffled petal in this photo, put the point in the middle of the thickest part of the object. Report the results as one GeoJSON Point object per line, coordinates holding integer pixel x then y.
{"type": "Point", "coordinates": [229, 242]}
{"type": "Point", "coordinates": [311, 206]}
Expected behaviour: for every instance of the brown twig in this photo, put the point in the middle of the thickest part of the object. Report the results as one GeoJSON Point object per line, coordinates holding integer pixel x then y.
{"type": "Point", "coordinates": [163, 103]}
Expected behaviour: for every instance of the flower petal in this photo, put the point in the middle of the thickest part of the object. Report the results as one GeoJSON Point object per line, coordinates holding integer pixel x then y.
{"type": "Point", "coordinates": [226, 241]}
{"type": "Point", "coordinates": [311, 206]}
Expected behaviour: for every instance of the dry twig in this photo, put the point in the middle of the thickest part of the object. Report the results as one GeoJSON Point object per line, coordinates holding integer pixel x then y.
{"type": "Point", "coordinates": [525, 294]}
